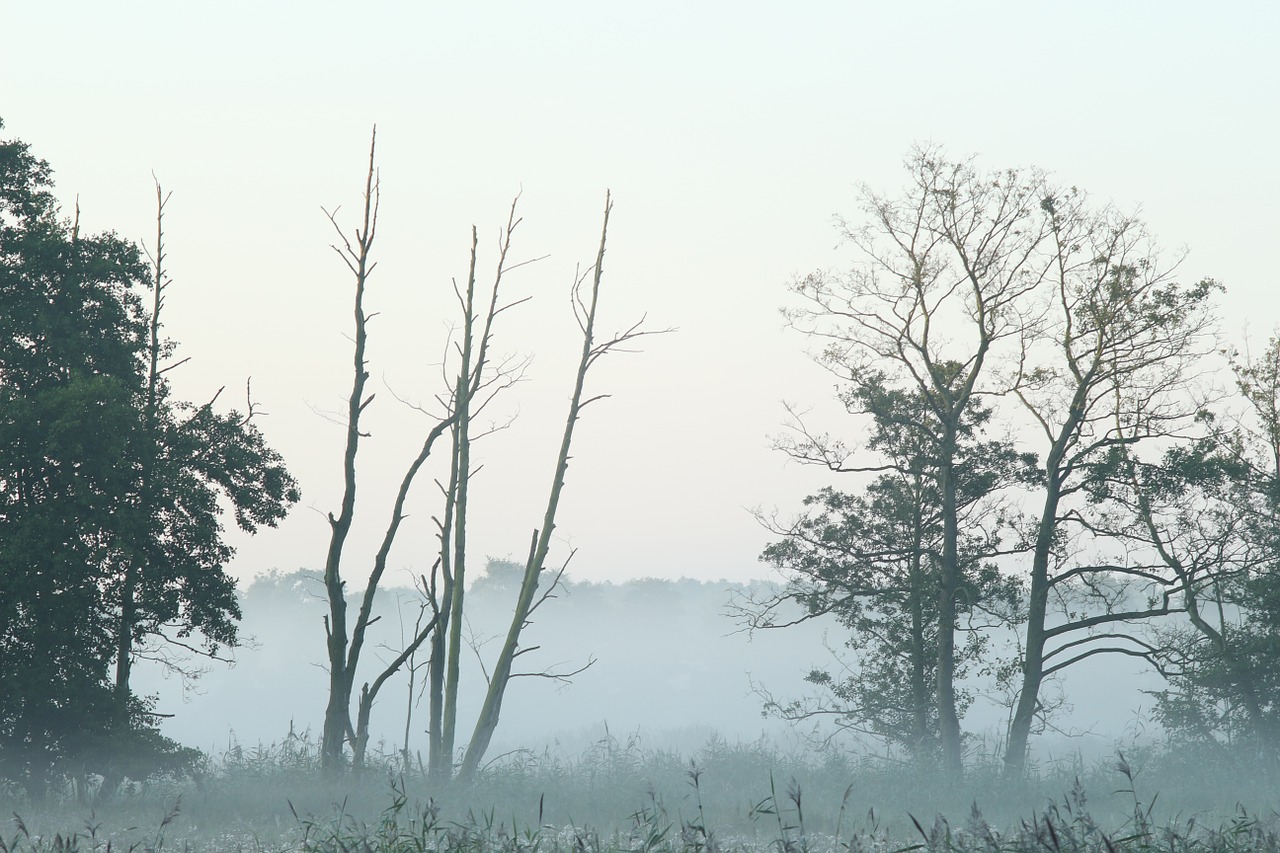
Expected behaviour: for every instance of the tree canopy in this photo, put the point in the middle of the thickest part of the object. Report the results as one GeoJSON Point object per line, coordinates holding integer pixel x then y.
{"type": "Point", "coordinates": [111, 492]}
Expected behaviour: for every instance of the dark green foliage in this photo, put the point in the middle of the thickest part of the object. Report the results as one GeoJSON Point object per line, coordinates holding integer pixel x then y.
{"type": "Point", "coordinates": [874, 561]}
{"type": "Point", "coordinates": [1209, 508]}
{"type": "Point", "coordinates": [110, 495]}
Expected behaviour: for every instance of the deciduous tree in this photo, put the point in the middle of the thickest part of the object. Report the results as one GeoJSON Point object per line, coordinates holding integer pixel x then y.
{"type": "Point", "coordinates": [871, 559]}
{"type": "Point", "coordinates": [1110, 365]}
{"type": "Point", "coordinates": [111, 494]}
{"type": "Point", "coordinates": [947, 274]}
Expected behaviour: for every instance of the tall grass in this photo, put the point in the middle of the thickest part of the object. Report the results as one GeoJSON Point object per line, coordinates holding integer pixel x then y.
{"type": "Point", "coordinates": [621, 795]}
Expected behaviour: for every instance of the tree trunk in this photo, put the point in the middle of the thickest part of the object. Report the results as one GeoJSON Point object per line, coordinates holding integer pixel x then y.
{"type": "Point", "coordinates": [487, 721]}
{"type": "Point", "coordinates": [917, 585]}
{"type": "Point", "coordinates": [337, 715]}
{"type": "Point", "coordinates": [1015, 756]}
{"type": "Point", "coordinates": [453, 666]}
{"type": "Point", "coordinates": [438, 762]}
{"type": "Point", "coordinates": [950, 737]}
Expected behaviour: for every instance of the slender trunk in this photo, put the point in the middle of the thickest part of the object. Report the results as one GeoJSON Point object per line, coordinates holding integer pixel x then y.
{"type": "Point", "coordinates": [439, 759]}
{"type": "Point", "coordinates": [453, 664]}
{"type": "Point", "coordinates": [950, 737]}
{"type": "Point", "coordinates": [1015, 756]}
{"type": "Point", "coordinates": [919, 683]}
{"type": "Point", "coordinates": [455, 538]}
{"type": "Point", "coordinates": [413, 667]}
{"type": "Point", "coordinates": [487, 721]}
{"type": "Point", "coordinates": [408, 717]}
{"type": "Point", "coordinates": [337, 715]}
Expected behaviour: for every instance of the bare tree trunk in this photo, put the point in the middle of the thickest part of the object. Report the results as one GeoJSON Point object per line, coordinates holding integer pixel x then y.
{"type": "Point", "coordinates": [462, 462]}
{"type": "Point", "coordinates": [440, 759]}
{"type": "Point", "coordinates": [368, 693]}
{"type": "Point", "coordinates": [413, 665]}
{"type": "Point", "coordinates": [439, 762]}
{"type": "Point", "coordinates": [337, 715]}
{"type": "Point", "coordinates": [135, 562]}
{"type": "Point", "coordinates": [487, 721]}
{"type": "Point", "coordinates": [474, 375]}
{"type": "Point", "coordinates": [345, 647]}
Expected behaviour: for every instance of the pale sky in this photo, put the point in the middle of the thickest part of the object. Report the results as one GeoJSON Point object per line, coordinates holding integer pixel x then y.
{"type": "Point", "coordinates": [729, 133]}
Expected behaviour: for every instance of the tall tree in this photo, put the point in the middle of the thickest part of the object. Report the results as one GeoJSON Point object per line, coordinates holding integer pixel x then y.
{"type": "Point", "coordinates": [474, 386]}
{"type": "Point", "coordinates": [345, 645]}
{"type": "Point", "coordinates": [109, 494]}
{"type": "Point", "coordinates": [872, 560]}
{"type": "Point", "coordinates": [1111, 364]}
{"type": "Point", "coordinates": [72, 335]}
{"type": "Point", "coordinates": [585, 298]}
{"type": "Point", "coordinates": [948, 273]}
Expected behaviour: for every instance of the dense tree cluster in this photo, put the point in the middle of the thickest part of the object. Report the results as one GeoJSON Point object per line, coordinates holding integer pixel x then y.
{"type": "Point", "coordinates": [1122, 510]}
{"type": "Point", "coordinates": [111, 494]}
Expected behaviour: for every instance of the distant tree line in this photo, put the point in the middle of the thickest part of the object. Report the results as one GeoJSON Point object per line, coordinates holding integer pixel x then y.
{"type": "Point", "coordinates": [1046, 450]}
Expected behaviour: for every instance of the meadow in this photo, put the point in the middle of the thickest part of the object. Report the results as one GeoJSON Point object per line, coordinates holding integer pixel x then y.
{"type": "Point", "coordinates": [620, 794]}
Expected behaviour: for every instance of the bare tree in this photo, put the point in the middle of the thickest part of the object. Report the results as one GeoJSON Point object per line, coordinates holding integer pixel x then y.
{"type": "Point", "coordinates": [476, 383]}
{"type": "Point", "coordinates": [345, 647]}
{"type": "Point", "coordinates": [478, 379]}
{"type": "Point", "coordinates": [585, 310]}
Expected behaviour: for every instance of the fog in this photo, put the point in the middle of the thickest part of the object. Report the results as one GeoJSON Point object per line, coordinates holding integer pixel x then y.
{"type": "Point", "coordinates": [670, 662]}
{"type": "Point", "coordinates": [730, 136]}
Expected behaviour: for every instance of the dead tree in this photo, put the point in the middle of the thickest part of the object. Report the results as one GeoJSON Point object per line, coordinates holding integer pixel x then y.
{"type": "Point", "coordinates": [344, 648]}
{"type": "Point", "coordinates": [585, 308]}
{"type": "Point", "coordinates": [477, 381]}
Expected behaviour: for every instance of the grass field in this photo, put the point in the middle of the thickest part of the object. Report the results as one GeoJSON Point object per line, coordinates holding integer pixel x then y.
{"type": "Point", "coordinates": [619, 795]}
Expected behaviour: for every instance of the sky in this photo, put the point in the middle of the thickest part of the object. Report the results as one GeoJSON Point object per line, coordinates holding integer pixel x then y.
{"type": "Point", "coordinates": [730, 135]}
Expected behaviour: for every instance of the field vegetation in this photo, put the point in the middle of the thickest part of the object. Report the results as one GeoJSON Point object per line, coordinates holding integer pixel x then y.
{"type": "Point", "coordinates": [622, 795]}
{"type": "Point", "coordinates": [1053, 457]}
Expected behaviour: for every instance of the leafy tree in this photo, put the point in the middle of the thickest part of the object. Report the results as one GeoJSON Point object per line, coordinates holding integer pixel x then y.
{"type": "Point", "coordinates": [946, 279]}
{"type": "Point", "coordinates": [110, 540]}
{"type": "Point", "coordinates": [976, 287]}
{"type": "Point", "coordinates": [1109, 363]}
{"type": "Point", "coordinates": [1211, 509]}
{"type": "Point", "coordinates": [873, 561]}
